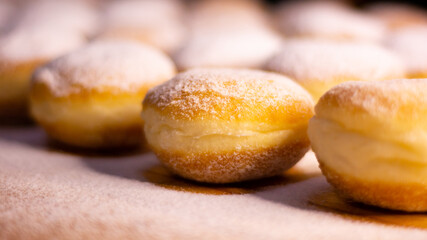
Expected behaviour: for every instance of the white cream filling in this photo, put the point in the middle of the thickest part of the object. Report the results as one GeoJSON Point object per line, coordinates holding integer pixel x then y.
{"type": "Point", "coordinates": [202, 136]}
{"type": "Point", "coordinates": [365, 157]}
{"type": "Point", "coordinates": [90, 116]}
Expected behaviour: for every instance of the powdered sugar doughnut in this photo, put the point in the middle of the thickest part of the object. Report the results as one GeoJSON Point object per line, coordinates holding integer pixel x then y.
{"type": "Point", "coordinates": [223, 15]}
{"type": "Point", "coordinates": [370, 140]}
{"type": "Point", "coordinates": [320, 65]}
{"type": "Point", "coordinates": [226, 33]}
{"type": "Point", "coordinates": [40, 32]}
{"type": "Point", "coordinates": [249, 49]}
{"type": "Point", "coordinates": [327, 20]}
{"type": "Point", "coordinates": [410, 44]}
{"type": "Point", "coordinates": [21, 52]}
{"type": "Point", "coordinates": [159, 23]}
{"type": "Point", "coordinates": [225, 125]}
{"type": "Point", "coordinates": [65, 15]}
{"type": "Point", "coordinates": [91, 97]}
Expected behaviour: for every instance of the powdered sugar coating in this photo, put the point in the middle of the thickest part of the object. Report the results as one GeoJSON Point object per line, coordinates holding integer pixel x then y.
{"type": "Point", "coordinates": [156, 22]}
{"type": "Point", "coordinates": [229, 94]}
{"type": "Point", "coordinates": [309, 61]}
{"type": "Point", "coordinates": [226, 33]}
{"type": "Point", "coordinates": [43, 44]}
{"type": "Point", "coordinates": [330, 20]}
{"type": "Point", "coordinates": [411, 45]}
{"type": "Point", "coordinates": [214, 15]}
{"type": "Point", "coordinates": [126, 66]}
{"type": "Point", "coordinates": [46, 29]}
{"type": "Point", "coordinates": [58, 15]}
{"type": "Point", "coordinates": [141, 12]}
{"type": "Point", "coordinates": [228, 49]}
{"type": "Point", "coordinates": [401, 100]}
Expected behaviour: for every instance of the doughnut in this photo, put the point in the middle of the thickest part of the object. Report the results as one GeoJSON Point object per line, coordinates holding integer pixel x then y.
{"type": "Point", "coordinates": [159, 23]}
{"type": "Point", "coordinates": [327, 20]}
{"type": "Point", "coordinates": [21, 52]}
{"type": "Point", "coordinates": [227, 33]}
{"type": "Point", "coordinates": [319, 65]}
{"type": "Point", "coordinates": [398, 15]}
{"type": "Point", "coordinates": [227, 125]}
{"type": "Point", "coordinates": [214, 15]}
{"type": "Point", "coordinates": [40, 32]}
{"type": "Point", "coordinates": [70, 15]}
{"type": "Point", "coordinates": [238, 49]}
{"type": "Point", "coordinates": [370, 141]}
{"type": "Point", "coordinates": [91, 98]}
{"type": "Point", "coordinates": [410, 44]}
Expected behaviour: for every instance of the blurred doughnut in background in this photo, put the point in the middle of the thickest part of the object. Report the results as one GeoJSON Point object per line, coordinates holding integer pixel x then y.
{"type": "Point", "coordinates": [156, 22]}
{"type": "Point", "coordinates": [327, 20]}
{"type": "Point", "coordinates": [227, 34]}
{"type": "Point", "coordinates": [411, 45]}
{"type": "Point", "coordinates": [319, 65]}
{"type": "Point", "coordinates": [91, 98]}
{"type": "Point", "coordinates": [201, 33]}
{"type": "Point", "coordinates": [37, 32]}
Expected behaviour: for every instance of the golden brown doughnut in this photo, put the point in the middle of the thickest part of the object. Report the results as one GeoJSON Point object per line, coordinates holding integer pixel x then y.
{"type": "Point", "coordinates": [40, 32]}
{"type": "Point", "coordinates": [370, 141]}
{"type": "Point", "coordinates": [21, 52]}
{"type": "Point", "coordinates": [227, 125]}
{"type": "Point", "coordinates": [320, 65]}
{"type": "Point", "coordinates": [91, 98]}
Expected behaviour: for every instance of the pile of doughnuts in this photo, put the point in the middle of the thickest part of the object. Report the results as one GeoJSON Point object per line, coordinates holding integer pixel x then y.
{"type": "Point", "coordinates": [230, 90]}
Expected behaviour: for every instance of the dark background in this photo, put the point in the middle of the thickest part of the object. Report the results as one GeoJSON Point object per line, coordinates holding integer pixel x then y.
{"type": "Point", "coordinates": [361, 3]}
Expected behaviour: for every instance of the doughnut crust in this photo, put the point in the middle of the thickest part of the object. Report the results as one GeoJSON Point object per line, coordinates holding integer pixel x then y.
{"type": "Point", "coordinates": [14, 81]}
{"type": "Point", "coordinates": [320, 65]}
{"type": "Point", "coordinates": [21, 52]}
{"type": "Point", "coordinates": [370, 140]}
{"type": "Point", "coordinates": [89, 119]}
{"type": "Point", "coordinates": [224, 125]}
{"type": "Point", "coordinates": [91, 97]}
